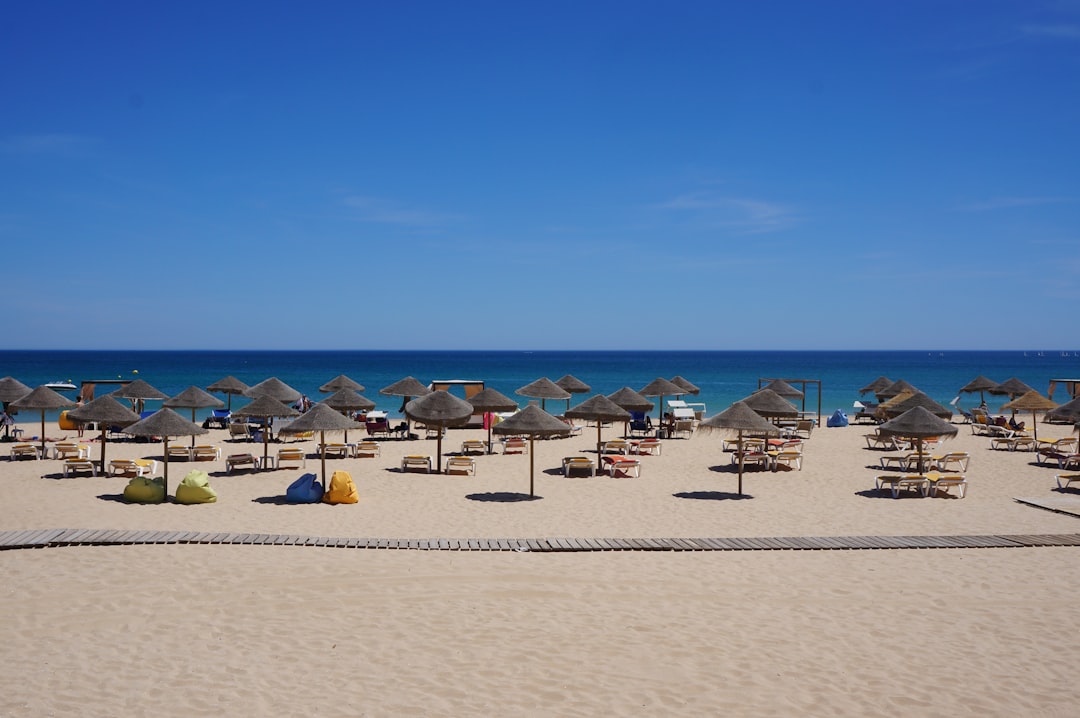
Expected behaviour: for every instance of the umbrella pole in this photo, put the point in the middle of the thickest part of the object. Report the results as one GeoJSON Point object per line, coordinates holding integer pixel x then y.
{"type": "Point", "coordinates": [438, 452]}
{"type": "Point", "coordinates": [322, 456]}
{"type": "Point", "coordinates": [532, 463]}
{"type": "Point", "coordinates": [165, 448]}
{"type": "Point", "coordinates": [192, 436]}
{"type": "Point", "coordinates": [1034, 426]}
{"type": "Point", "coordinates": [103, 450]}
{"type": "Point", "coordinates": [43, 433]}
{"type": "Point", "coordinates": [599, 442]}
{"type": "Point", "coordinates": [740, 461]}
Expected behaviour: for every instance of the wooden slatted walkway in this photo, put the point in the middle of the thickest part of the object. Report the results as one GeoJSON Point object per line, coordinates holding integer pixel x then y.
{"type": "Point", "coordinates": [50, 538]}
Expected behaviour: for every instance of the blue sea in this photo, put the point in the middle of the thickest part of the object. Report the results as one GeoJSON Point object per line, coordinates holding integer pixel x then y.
{"type": "Point", "coordinates": [723, 376]}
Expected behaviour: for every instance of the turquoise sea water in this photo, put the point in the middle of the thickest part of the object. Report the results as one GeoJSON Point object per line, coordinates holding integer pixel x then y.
{"type": "Point", "coordinates": [724, 376]}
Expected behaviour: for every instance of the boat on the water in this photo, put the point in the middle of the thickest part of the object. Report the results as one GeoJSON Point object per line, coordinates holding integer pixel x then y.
{"type": "Point", "coordinates": [61, 386]}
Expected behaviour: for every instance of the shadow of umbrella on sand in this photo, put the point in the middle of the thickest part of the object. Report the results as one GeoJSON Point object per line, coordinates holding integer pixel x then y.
{"type": "Point", "coordinates": [165, 423]}
{"type": "Point", "coordinates": [490, 400]}
{"type": "Point", "coordinates": [105, 411]}
{"type": "Point", "coordinates": [439, 409]}
{"type": "Point", "coordinates": [599, 408]}
{"type": "Point", "coordinates": [193, 398]}
{"type": "Point", "coordinates": [533, 422]}
{"type": "Point", "coordinates": [266, 407]}
{"type": "Point", "coordinates": [321, 418]}
{"type": "Point", "coordinates": [738, 418]}
{"type": "Point", "coordinates": [43, 398]}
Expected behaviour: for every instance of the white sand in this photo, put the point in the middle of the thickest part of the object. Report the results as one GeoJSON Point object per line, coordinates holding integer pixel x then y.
{"type": "Point", "coordinates": [259, 630]}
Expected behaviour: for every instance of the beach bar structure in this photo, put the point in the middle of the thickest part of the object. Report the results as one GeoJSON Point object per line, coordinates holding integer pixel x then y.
{"type": "Point", "coordinates": [802, 384]}
{"type": "Point", "coordinates": [1071, 385]}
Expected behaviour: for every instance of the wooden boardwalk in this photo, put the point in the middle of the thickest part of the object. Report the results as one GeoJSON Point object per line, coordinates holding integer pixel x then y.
{"type": "Point", "coordinates": [51, 538]}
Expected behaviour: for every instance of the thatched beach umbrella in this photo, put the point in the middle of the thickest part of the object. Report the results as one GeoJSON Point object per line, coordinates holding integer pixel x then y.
{"type": "Point", "coordinates": [1034, 401]}
{"type": "Point", "coordinates": [275, 389]}
{"type": "Point", "coordinates": [918, 423]}
{"type": "Point", "coordinates": [738, 418]}
{"type": "Point", "coordinates": [105, 411]}
{"type": "Point", "coordinates": [660, 387]}
{"type": "Point", "coordinates": [193, 398]}
{"type": "Point", "coordinates": [165, 423]}
{"type": "Point", "coordinates": [439, 409]}
{"type": "Point", "coordinates": [229, 385]}
{"type": "Point", "coordinates": [1068, 412]}
{"type": "Point", "coordinates": [11, 389]}
{"type": "Point", "coordinates": [346, 399]}
{"type": "Point", "coordinates": [140, 392]}
{"type": "Point", "coordinates": [632, 401]}
{"type": "Point", "coordinates": [42, 398]}
{"type": "Point", "coordinates": [266, 407]}
{"type": "Point", "coordinates": [882, 382]}
{"type": "Point", "coordinates": [783, 389]}
{"type": "Point", "coordinates": [907, 401]}
{"type": "Point", "coordinates": [406, 388]}
{"type": "Point", "coordinates": [598, 408]}
{"type": "Point", "coordinates": [341, 382]}
{"type": "Point", "coordinates": [573, 385]}
{"type": "Point", "coordinates": [979, 384]}
{"type": "Point", "coordinates": [769, 404]}
{"type": "Point", "coordinates": [532, 421]}
{"type": "Point", "coordinates": [897, 387]}
{"type": "Point", "coordinates": [321, 418]}
{"type": "Point", "coordinates": [543, 389]}
{"type": "Point", "coordinates": [687, 386]}
{"type": "Point", "coordinates": [490, 400]}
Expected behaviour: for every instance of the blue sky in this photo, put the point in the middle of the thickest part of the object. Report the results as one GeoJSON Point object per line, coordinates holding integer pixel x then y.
{"type": "Point", "coordinates": [557, 175]}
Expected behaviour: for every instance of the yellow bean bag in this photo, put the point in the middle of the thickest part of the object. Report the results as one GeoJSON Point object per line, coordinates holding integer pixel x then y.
{"type": "Point", "coordinates": [145, 490]}
{"type": "Point", "coordinates": [342, 489]}
{"type": "Point", "coordinates": [195, 489]}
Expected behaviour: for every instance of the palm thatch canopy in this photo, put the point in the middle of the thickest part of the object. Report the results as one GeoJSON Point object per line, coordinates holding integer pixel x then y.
{"type": "Point", "coordinates": [12, 389]}
{"type": "Point", "coordinates": [768, 403]}
{"type": "Point", "coordinates": [739, 418]}
{"type": "Point", "coordinates": [687, 386]}
{"type": "Point", "coordinates": [599, 408]}
{"type": "Point", "coordinates": [660, 387]}
{"type": "Point", "coordinates": [165, 423]}
{"type": "Point", "coordinates": [907, 401]}
{"type": "Point", "coordinates": [532, 421]}
{"type": "Point", "coordinates": [405, 387]}
{"type": "Point", "coordinates": [42, 398]}
{"type": "Point", "coordinates": [194, 398]}
{"type": "Point", "coordinates": [491, 400]}
{"type": "Point", "coordinates": [1031, 401]}
{"type": "Point", "coordinates": [341, 382]}
{"type": "Point", "coordinates": [978, 384]}
{"type": "Point", "coordinates": [782, 388]}
{"type": "Point", "coordinates": [106, 411]}
{"type": "Point", "coordinates": [266, 407]}
{"type": "Point", "coordinates": [918, 423]}
{"type": "Point", "coordinates": [320, 417]}
{"type": "Point", "coordinates": [228, 385]}
{"type": "Point", "coordinates": [573, 385]}
{"type": "Point", "coordinates": [1069, 411]}
{"type": "Point", "coordinates": [1011, 387]}
{"type": "Point", "coordinates": [882, 382]}
{"type": "Point", "coordinates": [348, 400]}
{"type": "Point", "coordinates": [897, 387]}
{"type": "Point", "coordinates": [439, 409]}
{"type": "Point", "coordinates": [630, 400]}
{"type": "Point", "coordinates": [543, 388]}
{"type": "Point", "coordinates": [275, 389]}
{"type": "Point", "coordinates": [139, 389]}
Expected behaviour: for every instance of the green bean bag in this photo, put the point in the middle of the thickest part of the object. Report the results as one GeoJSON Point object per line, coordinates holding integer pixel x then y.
{"type": "Point", "coordinates": [145, 490]}
{"type": "Point", "coordinates": [195, 489]}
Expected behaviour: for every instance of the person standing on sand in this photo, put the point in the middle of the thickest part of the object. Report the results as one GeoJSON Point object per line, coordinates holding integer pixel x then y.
{"type": "Point", "coordinates": [80, 427]}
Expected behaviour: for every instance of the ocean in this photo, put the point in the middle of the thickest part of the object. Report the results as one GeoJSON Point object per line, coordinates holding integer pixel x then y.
{"type": "Point", "coordinates": [723, 376]}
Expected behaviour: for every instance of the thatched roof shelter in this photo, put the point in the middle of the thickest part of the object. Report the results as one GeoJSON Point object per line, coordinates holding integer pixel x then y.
{"type": "Point", "coordinates": [275, 389]}
{"type": "Point", "coordinates": [341, 382]}
{"type": "Point", "coordinates": [738, 418]}
{"type": "Point", "coordinates": [105, 411]}
{"type": "Point", "coordinates": [532, 421]}
{"type": "Point", "coordinates": [165, 423]}
{"type": "Point", "coordinates": [1031, 401]}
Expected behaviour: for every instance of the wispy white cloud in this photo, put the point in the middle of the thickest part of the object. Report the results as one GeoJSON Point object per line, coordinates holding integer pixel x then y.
{"type": "Point", "coordinates": [47, 144]}
{"type": "Point", "coordinates": [1069, 32]}
{"type": "Point", "coordinates": [751, 216]}
{"type": "Point", "coordinates": [1010, 202]}
{"type": "Point", "coordinates": [386, 211]}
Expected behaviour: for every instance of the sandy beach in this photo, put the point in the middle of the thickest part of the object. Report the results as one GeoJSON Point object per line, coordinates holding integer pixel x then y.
{"type": "Point", "coordinates": [261, 630]}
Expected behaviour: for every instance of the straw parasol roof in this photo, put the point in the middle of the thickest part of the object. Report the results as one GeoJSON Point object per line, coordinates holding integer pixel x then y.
{"type": "Point", "coordinates": [193, 398]}
{"type": "Point", "coordinates": [229, 385]}
{"type": "Point", "coordinates": [897, 387]}
{"type": "Point", "coordinates": [1069, 411]}
{"type": "Point", "coordinates": [275, 389]}
{"type": "Point", "coordinates": [1012, 388]}
{"type": "Point", "coordinates": [918, 423]}
{"type": "Point", "coordinates": [882, 382]}
{"type": "Point", "coordinates": [738, 418]}
{"type": "Point", "coordinates": [661, 387]}
{"type": "Point", "coordinates": [12, 389]}
{"type": "Point", "coordinates": [140, 390]}
{"type": "Point", "coordinates": [782, 388]}
{"type": "Point", "coordinates": [346, 399]}
{"type": "Point", "coordinates": [42, 398]}
{"type": "Point", "coordinates": [341, 382]}
{"type": "Point", "coordinates": [321, 418]}
{"type": "Point", "coordinates": [906, 401]}
{"type": "Point", "coordinates": [573, 385]}
{"type": "Point", "coordinates": [630, 400]}
{"type": "Point", "coordinates": [543, 389]}
{"type": "Point", "coordinates": [532, 421]}
{"type": "Point", "coordinates": [599, 408]}
{"type": "Point", "coordinates": [266, 407]}
{"type": "Point", "coordinates": [105, 411]}
{"type": "Point", "coordinates": [439, 409]}
{"type": "Point", "coordinates": [1033, 401]}
{"type": "Point", "coordinates": [489, 399]}
{"type": "Point", "coordinates": [978, 384]}
{"type": "Point", "coordinates": [405, 387]}
{"type": "Point", "coordinates": [767, 403]}
{"type": "Point", "coordinates": [688, 387]}
{"type": "Point", "coordinates": [165, 423]}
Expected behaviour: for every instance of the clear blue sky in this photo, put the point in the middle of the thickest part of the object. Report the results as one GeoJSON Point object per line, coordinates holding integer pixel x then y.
{"type": "Point", "coordinates": [555, 175]}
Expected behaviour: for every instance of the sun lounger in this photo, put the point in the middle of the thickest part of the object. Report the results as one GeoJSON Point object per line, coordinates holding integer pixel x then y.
{"type": "Point", "coordinates": [368, 448]}
{"type": "Point", "coordinates": [616, 446]}
{"type": "Point", "coordinates": [757, 458]}
{"type": "Point", "coordinates": [1064, 480]}
{"type": "Point", "coordinates": [788, 459]}
{"type": "Point", "coordinates": [67, 450]}
{"type": "Point", "coordinates": [340, 451]}
{"type": "Point", "coordinates": [953, 461]}
{"type": "Point", "coordinates": [515, 445]}
{"type": "Point", "coordinates": [178, 453]}
{"type": "Point", "coordinates": [897, 483]}
{"type": "Point", "coordinates": [464, 465]}
{"type": "Point", "coordinates": [879, 441]}
{"type": "Point", "coordinates": [205, 452]}
{"type": "Point", "coordinates": [944, 483]}
{"type": "Point", "coordinates": [653, 447]}
{"type": "Point", "coordinates": [415, 462]}
{"type": "Point", "coordinates": [132, 467]}
{"type": "Point", "coordinates": [296, 456]}
{"type": "Point", "coordinates": [578, 463]}
{"type": "Point", "coordinates": [616, 465]}
{"type": "Point", "coordinates": [23, 451]}
{"type": "Point", "coordinates": [76, 466]}
{"type": "Point", "coordinates": [238, 461]}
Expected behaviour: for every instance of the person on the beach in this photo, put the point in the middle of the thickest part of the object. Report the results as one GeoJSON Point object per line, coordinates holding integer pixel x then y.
{"type": "Point", "coordinates": [79, 426]}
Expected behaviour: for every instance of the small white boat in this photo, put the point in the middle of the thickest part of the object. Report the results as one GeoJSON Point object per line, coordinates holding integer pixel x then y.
{"type": "Point", "coordinates": [61, 386]}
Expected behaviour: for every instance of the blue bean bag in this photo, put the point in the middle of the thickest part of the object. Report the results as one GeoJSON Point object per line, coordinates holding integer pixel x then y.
{"type": "Point", "coordinates": [145, 490]}
{"type": "Point", "coordinates": [195, 489]}
{"type": "Point", "coordinates": [838, 418]}
{"type": "Point", "coordinates": [305, 490]}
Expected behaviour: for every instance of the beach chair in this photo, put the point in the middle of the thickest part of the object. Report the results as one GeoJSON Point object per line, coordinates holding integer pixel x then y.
{"type": "Point", "coordinates": [880, 441]}
{"type": "Point", "coordinates": [239, 461]}
{"type": "Point", "coordinates": [953, 461]}
{"type": "Point", "coordinates": [462, 465]}
{"type": "Point", "coordinates": [296, 456]}
{"type": "Point", "coordinates": [682, 427]}
{"type": "Point", "coordinates": [622, 465]}
{"type": "Point", "coordinates": [205, 452]}
{"type": "Point", "coordinates": [473, 446]}
{"type": "Point", "coordinates": [515, 445]}
{"type": "Point", "coordinates": [340, 451]}
{"type": "Point", "coordinates": [239, 430]}
{"type": "Point", "coordinates": [416, 462]}
{"type": "Point", "coordinates": [788, 459]}
{"type": "Point", "coordinates": [640, 424]}
{"type": "Point", "coordinates": [578, 463]}
{"type": "Point", "coordinates": [897, 483]}
{"type": "Point", "coordinates": [752, 458]}
{"type": "Point", "coordinates": [178, 453]}
{"type": "Point", "coordinates": [368, 449]}
{"type": "Point", "coordinates": [68, 450]}
{"type": "Point", "coordinates": [23, 451]}
{"type": "Point", "coordinates": [378, 427]}
{"type": "Point", "coordinates": [130, 467]}
{"type": "Point", "coordinates": [77, 466]}
{"type": "Point", "coordinates": [653, 447]}
{"type": "Point", "coordinates": [616, 446]}
{"type": "Point", "coordinates": [1064, 480]}
{"type": "Point", "coordinates": [944, 483]}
